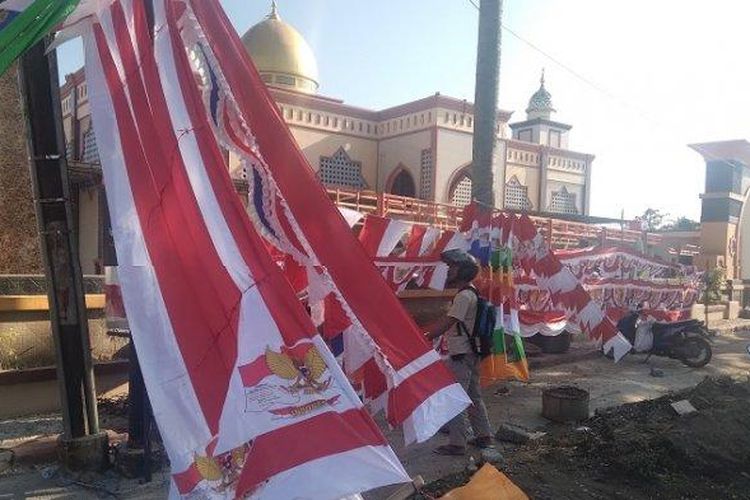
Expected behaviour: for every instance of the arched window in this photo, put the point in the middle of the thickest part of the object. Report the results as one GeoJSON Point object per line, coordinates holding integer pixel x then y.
{"type": "Point", "coordinates": [403, 184]}
{"type": "Point", "coordinates": [461, 190]}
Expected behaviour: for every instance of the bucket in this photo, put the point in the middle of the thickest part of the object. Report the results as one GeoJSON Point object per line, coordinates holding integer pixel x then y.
{"type": "Point", "coordinates": [565, 404]}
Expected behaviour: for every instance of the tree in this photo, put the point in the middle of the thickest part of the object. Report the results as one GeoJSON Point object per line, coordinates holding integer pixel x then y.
{"type": "Point", "coordinates": [485, 101]}
{"type": "Point", "coordinates": [682, 224]}
{"type": "Point", "coordinates": [652, 219]}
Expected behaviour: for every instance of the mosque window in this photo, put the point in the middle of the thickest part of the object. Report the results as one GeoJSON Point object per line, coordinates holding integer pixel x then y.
{"type": "Point", "coordinates": [563, 202]}
{"type": "Point", "coordinates": [317, 119]}
{"type": "Point", "coordinates": [360, 126]}
{"type": "Point", "coordinates": [369, 128]}
{"type": "Point", "coordinates": [461, 193]}
{"type": "Point", "coordinates": [517, 195]}
{"type": "Point", "coordinates": [299, 115]}
{"type": "Point", "coordinates": [447, 117]}
{"type": "Point", "coordinates": [429, 116]}
{"type": "Point", "coordinates": [554, 138]}
{"type": "Point", "coordinates": [525, 135]}
{"type": "Point", "coordinates": [425, 175]}
{"type": "Point", "coordinates": [470, 122]}
{"type": "Point", "coordinates": [328, 121]}
{"type": "Point", "coordinates": [335, 123]}
{"type": "Point", "coordinates": [90, 150]}
{"type": "Point", "coordinates": [289, 114]}
{"type": "Point", "coordinates": [266, 78]}
{"type": "Point", "coordinates": [341, 171]}
{"type": "Point", "coordinates": [403, 184]}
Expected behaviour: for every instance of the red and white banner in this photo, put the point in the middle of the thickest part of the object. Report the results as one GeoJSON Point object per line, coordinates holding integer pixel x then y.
{"type": "Point", "coordinates": [383, 348]}
{"type": "Point", "coordinates": [620, 263]}
{"type": "Point", "coordinates": [420, 272]}
{"type": "Point", "coordinates": [248, 398]}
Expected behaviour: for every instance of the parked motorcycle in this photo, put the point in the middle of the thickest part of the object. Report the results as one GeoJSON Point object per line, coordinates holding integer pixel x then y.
{"type": "Point", "coordinates": [687, 340]}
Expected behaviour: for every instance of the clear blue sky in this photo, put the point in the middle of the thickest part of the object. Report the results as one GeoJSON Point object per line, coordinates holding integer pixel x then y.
{"type": "Point", "coordinates": [660, 74]}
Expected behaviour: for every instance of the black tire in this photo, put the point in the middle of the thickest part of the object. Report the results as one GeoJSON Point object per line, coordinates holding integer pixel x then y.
{"type": "Point", "coordinates": [696, 352]}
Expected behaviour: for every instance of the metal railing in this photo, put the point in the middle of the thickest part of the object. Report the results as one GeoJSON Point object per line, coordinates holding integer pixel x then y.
{"type": "Point", "coordinates": [558, 233]}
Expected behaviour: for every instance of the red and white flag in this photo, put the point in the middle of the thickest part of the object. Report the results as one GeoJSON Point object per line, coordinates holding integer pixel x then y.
{"type": "Point", "coordinates": [380, 235]}
{"type": "Point", "coordinates": [383, 348]}
{"type": "Point", "coordinates": [248, 398]}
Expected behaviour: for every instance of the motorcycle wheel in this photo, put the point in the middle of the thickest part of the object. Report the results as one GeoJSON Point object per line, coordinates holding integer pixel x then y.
{"type": "Point", "coordinates": [695, 352]}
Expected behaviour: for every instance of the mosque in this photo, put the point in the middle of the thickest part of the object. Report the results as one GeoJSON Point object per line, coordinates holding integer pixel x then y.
{"type": "Point", "coordinates": [420, 149]}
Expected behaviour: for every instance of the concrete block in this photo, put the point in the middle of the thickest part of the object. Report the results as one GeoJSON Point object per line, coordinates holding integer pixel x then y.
{"type": "Point", "coordinates": [732, 310]}
{"type": "Point", "coordinates": [510, 433]}
{"type": "Point", "coordinates": [89, 453]}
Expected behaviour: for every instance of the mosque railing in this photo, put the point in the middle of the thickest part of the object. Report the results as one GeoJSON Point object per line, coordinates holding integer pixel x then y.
{"type": "Point", "coordinates": [559, 233]}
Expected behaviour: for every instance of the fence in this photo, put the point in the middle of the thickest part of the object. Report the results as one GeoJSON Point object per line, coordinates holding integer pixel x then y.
{"type": "Point", "coordinates": [559, 233]}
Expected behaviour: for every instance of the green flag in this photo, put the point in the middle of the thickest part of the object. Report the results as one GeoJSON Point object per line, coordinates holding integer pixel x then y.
{"type": "Point", "coordinates": [20, 29]}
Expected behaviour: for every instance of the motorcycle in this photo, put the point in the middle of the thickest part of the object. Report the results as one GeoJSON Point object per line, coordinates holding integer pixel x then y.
{"type": "Point", "coordinates": [687, 341]}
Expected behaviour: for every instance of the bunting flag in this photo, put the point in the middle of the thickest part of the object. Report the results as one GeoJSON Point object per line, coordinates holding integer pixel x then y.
{"type": "Point", "coordinates": [533, 257]}
{"type": "Point", "coordinates": [620, 263]}
{"type": "Point", "coordinates": [248, 398]}
{"type": "Point", "coordinates": [488, 239]}
{"type": "Point", "coordinates": [384, 350]}
{"type": "Point", "coordinates": [380, 236]}
{"type": "Point", "coordinates": [23, 23]}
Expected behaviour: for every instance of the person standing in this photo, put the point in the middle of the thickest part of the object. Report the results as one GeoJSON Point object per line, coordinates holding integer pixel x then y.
{"type": "Point", "coordinates": [457, 326]}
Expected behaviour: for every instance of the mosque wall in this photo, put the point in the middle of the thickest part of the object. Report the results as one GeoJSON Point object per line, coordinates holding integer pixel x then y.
{"type": "Point", "coordinates": [404, 150]}
{"type": "Point", "coordinates": [528, 176]}
{"type": "Point", "coordinates": [453, 153]}
{"type": "Point", "coordinates": [316, 144]}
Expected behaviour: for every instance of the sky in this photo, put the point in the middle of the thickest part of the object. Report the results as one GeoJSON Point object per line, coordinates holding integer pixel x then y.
{"type": "Point", "coordinates": [638, 80]}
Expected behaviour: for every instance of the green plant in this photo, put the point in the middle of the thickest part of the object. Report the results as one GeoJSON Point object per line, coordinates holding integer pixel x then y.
{"type": "Point", "coordinates": [713, 279]}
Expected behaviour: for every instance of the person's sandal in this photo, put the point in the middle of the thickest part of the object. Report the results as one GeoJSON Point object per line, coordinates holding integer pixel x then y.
{"type": "Point", "coordinates": [450, 450]}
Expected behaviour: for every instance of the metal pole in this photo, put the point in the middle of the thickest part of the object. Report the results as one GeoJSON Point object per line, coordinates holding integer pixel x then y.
{"type": "Point", "coordinates": [485, 101]}
{"type": "Point", "coordinates": [51, 191]}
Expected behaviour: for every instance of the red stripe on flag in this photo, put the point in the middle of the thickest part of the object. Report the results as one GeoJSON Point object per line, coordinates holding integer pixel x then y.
{"type": "Point", "coordinates": [319, 436]}
{"type": "Point", "coordinates": [255, 371]}
{"type": "Point", "coordinates": [187, 480]}
{"type": "Point", "coordinates": [442, 242]}
{"type": "Point", "coordinates": [415, 240]}
{"type": "Point", "coordinates": [292, 320]}
{"type": "Point", "coordinates": [412, 392]}
{"type": "Point", "coordinates": [372, 233]}
{"type": "Point", "coordinates": [198, 293]}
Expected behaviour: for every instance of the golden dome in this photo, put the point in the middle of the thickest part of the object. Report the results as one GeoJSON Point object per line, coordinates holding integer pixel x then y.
{"type": "Point", "coordinates": [282, 56]}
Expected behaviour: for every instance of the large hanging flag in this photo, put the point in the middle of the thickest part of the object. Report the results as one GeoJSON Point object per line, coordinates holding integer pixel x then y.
{"type": "Point", "coordinates": [248, 398]}
{"type": "Point", "coordinates": [384, 350]}
{"type": "Point", "coordinates": [25, 22]}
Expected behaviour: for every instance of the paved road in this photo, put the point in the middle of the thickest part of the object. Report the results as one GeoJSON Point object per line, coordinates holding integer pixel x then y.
{"type": "Point", "coordinates": [609, 385]}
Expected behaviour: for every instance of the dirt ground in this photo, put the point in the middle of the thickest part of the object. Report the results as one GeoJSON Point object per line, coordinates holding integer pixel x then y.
{"type": "Point", "coordinates": [566, 464]}
{"type": "Point", "coordinates": [641, 450]}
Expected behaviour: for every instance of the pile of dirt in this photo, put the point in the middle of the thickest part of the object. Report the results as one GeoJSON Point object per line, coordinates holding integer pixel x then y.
{"type": "Point", "coordinates": [641, 450]}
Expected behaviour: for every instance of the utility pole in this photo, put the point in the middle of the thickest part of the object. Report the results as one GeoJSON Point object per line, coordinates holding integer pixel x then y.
{"type": "Point", "coordinates": [81, 446]}
{"type": "Point", "coordinates": [485, 101]}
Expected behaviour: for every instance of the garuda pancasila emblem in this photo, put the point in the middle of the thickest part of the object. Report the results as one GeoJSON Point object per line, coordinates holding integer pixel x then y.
{"type": "Point", "coordinates": [306, 372]}
{"type": "Point", "coordinates": [222, 471]}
